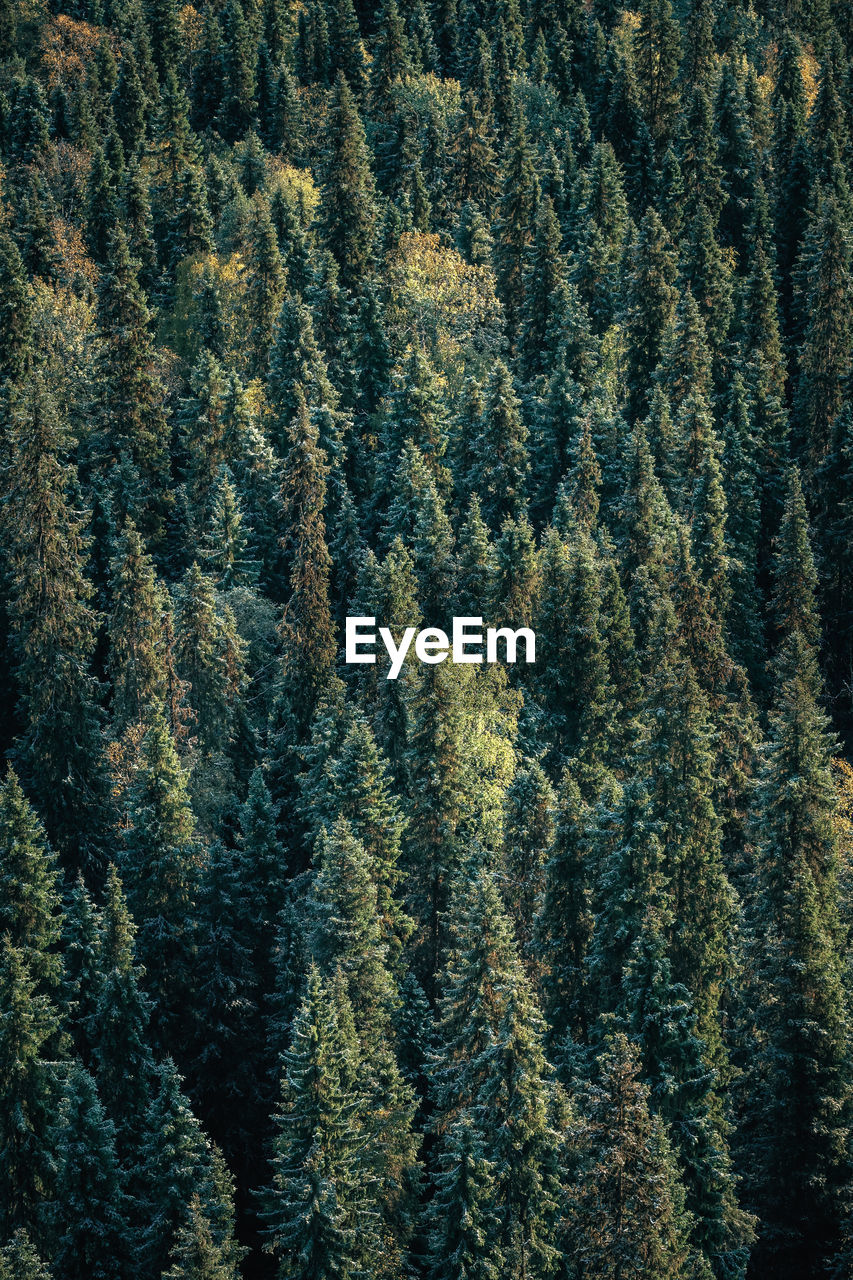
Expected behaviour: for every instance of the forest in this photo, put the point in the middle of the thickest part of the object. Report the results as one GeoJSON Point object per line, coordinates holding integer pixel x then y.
{"type": "Point", "coordinates": [536, 313]}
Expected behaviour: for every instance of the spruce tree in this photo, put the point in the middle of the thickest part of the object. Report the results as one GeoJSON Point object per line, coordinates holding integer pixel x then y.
{"type": "Point", "coordinates": [53, 625]}
{"type": "Point", "coordinates": [122, 1057]}
{"type": "Point", "coordinates": [161, 857]}
{"type": "Point", "coordinates": [306, 629]}
{"type": "Point", "coordinates": [130, 393]}
{"type": "Point", "coordinates": [20, 1261]}
{"type": "Point", "coordinates": [317, 1209]}
{"type": "Point", "coordinates": [799, 1079]}
{"type": "Point", "coordinates": [135, 632]}
{"type": "Point", "coordinates": [87, 1224]}
{"type": "Point", "coordinates": [500, 464]}
{"type": "Point", "coordinates": [349, 206]}
{"type": "Point", "coordinates": [627, 1210]}
{"type": "Point", "coordinates": [30, 1089]}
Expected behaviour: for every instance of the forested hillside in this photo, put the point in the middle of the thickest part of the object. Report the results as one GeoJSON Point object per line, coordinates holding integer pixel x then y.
{"type": "Point", "coordinates": [539, 313]}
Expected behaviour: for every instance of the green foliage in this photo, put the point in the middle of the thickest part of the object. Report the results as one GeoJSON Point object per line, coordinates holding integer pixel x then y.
{"type": "Point", "coordinates": [533, 313]}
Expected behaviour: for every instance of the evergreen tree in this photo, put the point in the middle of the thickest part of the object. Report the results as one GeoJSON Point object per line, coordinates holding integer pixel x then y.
{"type": "Point", "coordinates": [658, 51]}
{"type": "Point", "coordinates": [30, 1089]}
{"type": "Point", "coordinates": [123, 1061]}
{"type": "Point", "coordinates": [500, 464]}
{"type": "Point", "coordinates": [317, 1210]}
{"type": "Point", "coordinates": [135, 631]}
{"type": "Point", "coordinates": [627, 1205]}
{"type": "Point", "coordinates": [307, 624]}
{"type": "Point", "coordinates": [86, 1219]}
{"type": "Point", "coordinates": [19, 1260]}
{"type": "Point", "coordinates": [799, 1080]}
{"type": "Point", "coordinates": [266, 283]}
{"type": "Point", "coordinates": [130, 393]}
{"type": "Point", "coordinates": [492, 1067]}
{"type": "Point", "coordinates": [161, 857]}
{"type": "Point", "coordinates": [348, 203]}
{"type": "Point", "coordinates": [462, 1218]}
{"type": "Point", "coordinates": [824, 355]}
{"type": "Point", "coordinates": [53, 625]}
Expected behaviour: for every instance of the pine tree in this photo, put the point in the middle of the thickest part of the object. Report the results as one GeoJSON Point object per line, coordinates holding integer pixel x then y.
{"type": "Point", "coordinates": [799, 1080]}
{"type": "Point", "coordinates": [317, 1210]}
{"type": "Point", "coordinates": [306, 628]}
{"type": "Point", "coordinates": [298, 368]}
{"type": "Point", "coordinates": [348, 195]}
{"type": "Point", "coordinates": [627, 1206]}
{"type": "Point", "coordinates": [85, 1214]}
{"type": "Point", "coordinates": [195, 1254]}
{"type": "Point", "coordinates": [461, 1215]}
{"type": "Point", "coordinates": [225, 547]}
{"type": "Point", "coordinates": [266, 283]}
{"type": "Point", "coordinates": [239, 59]}
{"type": "Point", "coordinates": [81, 976]}
{"type": "Point", "coordinates": [19, 1260]}
{"type": "Point", "coordinates": [161, 857]}
{"type": "Point", "coordinates": [53, 625]}
{"type": "Point", "coordinates": [824, 355]}
{"type": "Point", "coordinates": [500, 463]}
{"type": "Point", "coordinates": [135, 632]}
{"type": "Point", "coordinates": [658, 51]}
{"type": "Point", "coordinates": [415, 411]}
{"type": "Point", "coordinates": [176, 1164]}
{"type": "Point", "coordinates": [15, 313]}
{"type": "Point", "coordinates": [573, 680]}
{"type": "Point", "coordinates": [698, 890]}
{"type": "Point", "coordinates": [650, 303]}
{"type": "Point", "coordinates": [130, 393]}
{"type": "Point", "coordinates": [124, 1066]}
{"type": "Point", "coordinates": [602, 224]}
{"type": "Point", "coordinates": [543, 281]}
{"type": "Point", "coordinates": [528, 837]}
{"type": "Point", "coordinates": [28, 1082]}
{"type": "Point", "coordinates": [515, 222]}
{"type": "Point", "coordinates": [492, 1067]}
{"type": "Point", "coordinates": [209, 656]}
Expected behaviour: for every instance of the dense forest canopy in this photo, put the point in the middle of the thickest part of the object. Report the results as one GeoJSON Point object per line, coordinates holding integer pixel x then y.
{"type": "Point", "coordinates": [535, 312]}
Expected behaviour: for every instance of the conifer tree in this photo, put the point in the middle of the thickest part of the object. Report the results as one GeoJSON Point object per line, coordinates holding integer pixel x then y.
{"type": "Point", "coordinates": [317, 1210]}
{"type": "Point", "coordinates": [124, 1066]}
{"type": "Point", "coordinates": [627, 1207]}
{"type": "Point", "coordinates": [130, 393]}
{"type": "Point", "coordinates": [195, 1254]}
{"type": "Point", "coordinates": [135, 631]}
{"type": "Point", "coordinates": [20, 1261]}
{"type": "Point", "coordinates": [85, 1213]}
{"type": "Point", "coordinates": [161, 857]}
{"type": "Point", "coordinates": [650, 302]}
{"type": "Point", "coordinates": [797, 952]}
{"type": "Point", "coordinates": [266, 283]}
{"type": "Point", "coordinates": [528, 838]}
{"type": "Point", "coordinates": [14, 309]}
{"type": "Point", "coordinates": [658, 51]}
{"type": "Point", "coordinates": [176, 1164]}
{"type": "Point", "coordinates": [543, 297]}
{"type": "Point", "coordinates": [500, 463]}
{"type": "Point", "coordinates": [515, 221]}
{"type": "Point", "coordinates": [492, 1067]}
{"type": "Point", "coordinates": [209, 656]}
{"type": "Point", "coordinates": [349, 202]}
{"type": "Point", "coordinates": [306, 629]}
{"type": "Point", "coordinates": [824, 355]}
{"type": "Point", "coordinates": [53, 625]}
{"type": "Point", "coordinates": [462, 1218]}
{"type": "Point", "coordinates": [28, 1026]}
